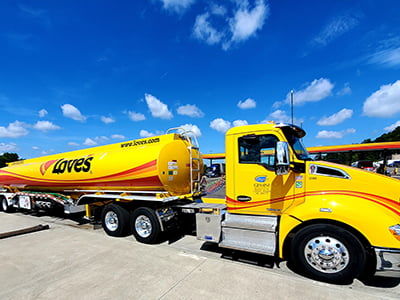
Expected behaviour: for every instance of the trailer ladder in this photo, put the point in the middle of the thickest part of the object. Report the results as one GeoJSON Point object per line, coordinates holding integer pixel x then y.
{"type": "Point", "coordinates": [195, 172]}
{"type": "Point", "coordinates": [195, 157]}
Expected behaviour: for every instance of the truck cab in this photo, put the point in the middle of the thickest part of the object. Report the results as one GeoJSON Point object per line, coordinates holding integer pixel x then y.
{"type": "Point", "coordinates": [332, 221]}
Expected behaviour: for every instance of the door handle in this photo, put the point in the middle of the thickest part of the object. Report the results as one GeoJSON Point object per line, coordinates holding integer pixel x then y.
{"type": "Point", "coordinates": [243, 198]}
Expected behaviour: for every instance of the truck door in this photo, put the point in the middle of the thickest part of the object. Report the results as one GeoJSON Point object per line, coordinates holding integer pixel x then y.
{"type": "Point", "coordinates": [257, 189]}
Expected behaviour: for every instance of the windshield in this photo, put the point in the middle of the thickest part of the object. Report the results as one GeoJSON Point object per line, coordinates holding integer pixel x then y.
{"type": "Point", "coordinates": [296, 143]}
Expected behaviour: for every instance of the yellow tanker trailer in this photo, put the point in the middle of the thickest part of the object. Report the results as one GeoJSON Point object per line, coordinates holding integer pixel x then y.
{"type": "Point", "coordinates": [161, 169]}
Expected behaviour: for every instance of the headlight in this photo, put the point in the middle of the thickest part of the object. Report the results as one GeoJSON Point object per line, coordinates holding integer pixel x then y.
{"type": "Point", "coordinates": [395, 230]}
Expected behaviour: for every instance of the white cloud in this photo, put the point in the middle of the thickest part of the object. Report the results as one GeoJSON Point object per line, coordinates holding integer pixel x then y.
{"type": "Point", "coordinates": [192, 128]}
{"type": "Point", "coordinates": [11, 147]}
{"type": "Point", "coordinates": [37, 14]}
{"type": "Point", "coordinates": [157, 108]}
{"type": "Point", "coordinates": [31, 11]}
{"type": "Point", "coordinates": [336, 118]}
{"type": "Point", "coordinates": [387, 57]}
{"type": "Point", "coordinates": [223, 126]}
{"type": "Point", "coordinates": [217, 26]}
{"type": "Point", "coordinates": [383, 103]}
{"type": "Point", "coordinates": [324, 134]}
{"type": "Point", "coordinates": [178, 6]}
{"type": "Point", "coordinates": [43, 113]}
{"type": "Point", "coordinates": [89, 142]}
{"type": "Point", "coordinates": [72, 112]}
{"type": "Point", "coordinates": [220, 125]}
{"type": "Point", "coordinates": [239, 123]}
{"type": "Point", "coordinates": [101, 139]}
{"type": "Point", "coordinates": [346, 90]}
{"type": "Point", "coordinates": [35, 148]}
{"type": "Point", "coordinates": [217, 10]}
{"type": "Point", "coordinates": [335, 29]}
{"type": "Point", "coordinates": [278, 116]}
{"type": "Point", "coordinates": [118, 137]}
{"type": "Point", "coordinates": [204, 30]}
{"type": "Point", "coordinates": [107, 120]}
{"type": "Point", "coordinates": [73, 144]}
{"type": "Point", "coordinates": [136, 117]}
{"type": "Point", "coordinates": [45, 126]}
{"type": "Point", "coordinates": [392, 127]}
{"type": "Point", "coordinates": [13, 130]}
{"type": "Point", "coordinates": [247, 104]}
{"type": "Point", "coordinates": [48, 152]}
{"type": "Point", "coordinates": [387, 54]}
{"type": "Point", "coordinates": [190, 110]}
{"type": "Point", "coordinates": [246, 22]}
{"type": "Point", "coordinates": [144, 133]}
{"type": "Point", "coordinates": [317, 90]}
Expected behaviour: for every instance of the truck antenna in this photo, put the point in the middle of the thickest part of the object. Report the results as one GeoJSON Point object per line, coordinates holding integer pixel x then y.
{"type": "Point", "coordinates": [291, 105]}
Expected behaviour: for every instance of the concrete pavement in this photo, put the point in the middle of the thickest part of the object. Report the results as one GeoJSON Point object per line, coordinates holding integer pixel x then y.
{"type": "Point", "coordinates": [70, 261]}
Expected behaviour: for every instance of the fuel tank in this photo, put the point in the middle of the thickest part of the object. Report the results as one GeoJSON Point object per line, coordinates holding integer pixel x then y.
{"type": "Point", "coordinates": [159, 163]}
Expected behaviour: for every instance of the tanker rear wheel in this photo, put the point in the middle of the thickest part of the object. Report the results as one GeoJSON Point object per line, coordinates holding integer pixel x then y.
{"type": "Point", "coordinates": [145, 225]}
{"type": "Point", "coordinates": [5, 207]}
{"type": "Point", "coordinates": [115, 220]}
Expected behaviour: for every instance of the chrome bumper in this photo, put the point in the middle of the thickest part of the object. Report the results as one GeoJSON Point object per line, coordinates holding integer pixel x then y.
{"type": "Point", "coordinates": [387, 262]}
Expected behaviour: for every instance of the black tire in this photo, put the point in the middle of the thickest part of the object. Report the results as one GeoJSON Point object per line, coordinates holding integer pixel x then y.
{"type": "Point", "coordinates": [115, 220]}
{"type": "Point", "coordinates": [5, 207]}
{"type": "Point", "coordinates": [328, 253]}
{"type": "Point", "coordinates": [145, 225]}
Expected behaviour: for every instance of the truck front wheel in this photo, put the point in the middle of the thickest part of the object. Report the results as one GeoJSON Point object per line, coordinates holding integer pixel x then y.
{"type": "Point", "coordinates": [145, 225]}
{"type": "Point", "coordinates": [328, 253]}
{"type": "Point", "coordinates": [114, 219]}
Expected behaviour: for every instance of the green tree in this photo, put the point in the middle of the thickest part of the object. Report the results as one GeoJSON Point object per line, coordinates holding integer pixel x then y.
{"type": "Point", "coordinates": [7, 157]}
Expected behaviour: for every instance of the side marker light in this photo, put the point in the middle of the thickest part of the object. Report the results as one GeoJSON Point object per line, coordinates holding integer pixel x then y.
{"type": "Point", "coordinates": [395, 230]}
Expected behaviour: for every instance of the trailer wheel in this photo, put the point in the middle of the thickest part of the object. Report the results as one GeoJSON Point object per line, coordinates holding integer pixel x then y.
{"type": "Point", "coordinates": [328, 253]}
{"type": "Point", "coordinates": [145, 225]}
{"type": "Point", "coordinates": [114, 219]}
{"type": "Point", "coordinates": [5, 207]}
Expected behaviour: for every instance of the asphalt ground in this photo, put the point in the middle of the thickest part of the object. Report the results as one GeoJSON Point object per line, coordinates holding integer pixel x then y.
{"type": "Point", "coordinates": [73, 261]}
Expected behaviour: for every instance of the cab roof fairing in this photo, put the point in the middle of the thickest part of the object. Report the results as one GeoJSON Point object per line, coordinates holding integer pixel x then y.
{"type": "Point", "coordinates": [298, 131]}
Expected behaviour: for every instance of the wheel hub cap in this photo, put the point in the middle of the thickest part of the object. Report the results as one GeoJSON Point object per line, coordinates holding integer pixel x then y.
{"type": "Point", "coordinates": [326, 254]}
{"type": "Point", "coordinates": [111, 221]}
{"type": "Point", "coordinates": [143, 226]}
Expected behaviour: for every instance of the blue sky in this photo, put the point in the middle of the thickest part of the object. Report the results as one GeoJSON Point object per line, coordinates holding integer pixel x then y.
{"type": "Point", "coordinates": [76, 74]}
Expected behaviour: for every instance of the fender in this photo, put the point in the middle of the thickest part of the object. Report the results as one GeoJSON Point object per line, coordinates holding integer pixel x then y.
{"type": "Point", "coordinates": [371, 215]}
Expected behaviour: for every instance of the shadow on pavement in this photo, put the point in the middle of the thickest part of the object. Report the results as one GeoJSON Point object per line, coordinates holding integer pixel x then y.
{"type": "Point", "coordinates": [241, 256]}
{"type": "Point", "coordinates": [381, 282]}
{"type": "Point", "coordinates": [271, 262]}
{"type": "Point", "coordinates": [367, 280]}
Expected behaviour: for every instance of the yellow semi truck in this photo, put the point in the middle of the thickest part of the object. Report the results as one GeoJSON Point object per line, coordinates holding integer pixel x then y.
{"type": "Point", "coordinates": [331, 221]}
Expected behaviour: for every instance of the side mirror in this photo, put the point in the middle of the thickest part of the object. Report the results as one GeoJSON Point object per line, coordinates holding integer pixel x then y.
{"type": "Point", "coordinates": [282, 164]}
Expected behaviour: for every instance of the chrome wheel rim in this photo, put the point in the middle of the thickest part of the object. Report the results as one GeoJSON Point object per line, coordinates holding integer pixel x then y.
{"type": "Point", "coordinates": [143, 226]}
{"type": "Point", "coordinates": [111, 221]}
{"type": "Point", "coordinates": [326, 254]}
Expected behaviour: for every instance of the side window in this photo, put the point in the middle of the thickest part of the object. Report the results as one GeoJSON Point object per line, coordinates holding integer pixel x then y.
{"type": "Point", "coordinates": [255, 149]}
